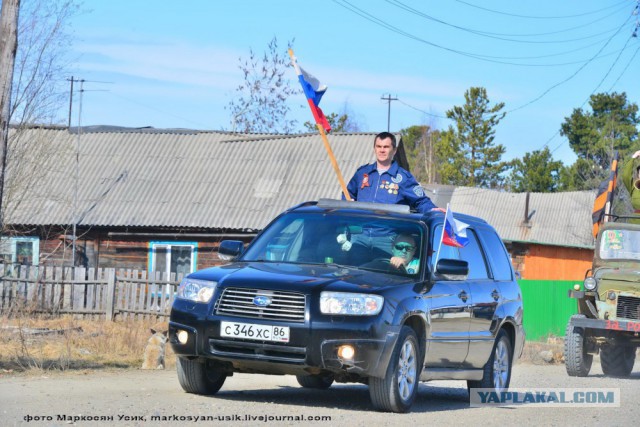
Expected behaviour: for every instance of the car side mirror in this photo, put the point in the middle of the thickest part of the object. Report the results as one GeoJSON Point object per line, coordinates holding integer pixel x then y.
{"type": "Point", "coordinates": [230, 249]}
{"type": "Point", "coordinates": [452, 269]}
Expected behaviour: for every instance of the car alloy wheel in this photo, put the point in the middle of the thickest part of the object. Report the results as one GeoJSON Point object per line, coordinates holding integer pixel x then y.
{"type": "Point", "coordinates": [407, 366]}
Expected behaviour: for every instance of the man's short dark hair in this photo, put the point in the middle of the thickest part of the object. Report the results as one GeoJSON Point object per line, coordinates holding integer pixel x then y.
{"type": "Point", "coordinates": [385, 135]}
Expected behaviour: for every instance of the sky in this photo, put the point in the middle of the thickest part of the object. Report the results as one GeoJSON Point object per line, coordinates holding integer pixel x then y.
{"type": "Point", "coordinates": [174, 64]}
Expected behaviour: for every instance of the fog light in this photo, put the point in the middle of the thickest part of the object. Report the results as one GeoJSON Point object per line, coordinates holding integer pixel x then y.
{"type": "Point", "coordinates": [183, 337]}
{"type": "Point", "coordinates": [576, 287]}
{"type": "Point", "coordinates": [346, 352]}
{"type": "Point", "coordinates": [611, 295]}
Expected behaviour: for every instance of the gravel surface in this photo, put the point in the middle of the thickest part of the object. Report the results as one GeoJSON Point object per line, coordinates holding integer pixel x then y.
{"type": "Point", "coordinates": [150, 398]}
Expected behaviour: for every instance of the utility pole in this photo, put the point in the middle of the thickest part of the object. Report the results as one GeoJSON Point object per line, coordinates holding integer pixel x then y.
{"type": "Point", "coordinates": [389, 99]}
{"type": "Point", "coordinates": [8, 48]}
{"type": "Point", "coordinates": [71, 97]}
{"type": "Point", "coordinates": [75, 194]}
{"type": "Point", "coordinates": [74, 215]}
{"type": "Point", "coordinates": [73, 80]}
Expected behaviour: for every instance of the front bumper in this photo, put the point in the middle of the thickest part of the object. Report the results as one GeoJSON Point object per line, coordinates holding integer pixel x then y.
{"type": "Point", "coordinates": [312, 348]}
{"type": "Point", "coordinates": [607, 325]}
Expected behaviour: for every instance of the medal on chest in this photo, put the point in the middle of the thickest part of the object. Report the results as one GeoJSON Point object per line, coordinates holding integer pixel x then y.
{"type": "Point", "coordinates": [390, 187]}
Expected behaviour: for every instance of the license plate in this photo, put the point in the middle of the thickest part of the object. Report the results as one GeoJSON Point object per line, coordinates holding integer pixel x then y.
{"type": "Point", "coordinates": [251, 331]}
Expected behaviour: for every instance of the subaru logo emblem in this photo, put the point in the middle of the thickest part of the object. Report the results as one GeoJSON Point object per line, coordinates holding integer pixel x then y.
{"type": "Point", "coordinates": [262, 301]}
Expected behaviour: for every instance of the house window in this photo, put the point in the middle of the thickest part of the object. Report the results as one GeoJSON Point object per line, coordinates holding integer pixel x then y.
{"type": "Point", "coordinates": [173, 257]}
{"type": "Point", "coordinates": [20, 250]}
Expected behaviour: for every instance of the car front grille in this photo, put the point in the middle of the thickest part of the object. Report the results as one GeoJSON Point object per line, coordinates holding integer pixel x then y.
{"type": "Point", "coordinates": [287, 306]}
{"type": "Point", "coordinates": [628, 308]}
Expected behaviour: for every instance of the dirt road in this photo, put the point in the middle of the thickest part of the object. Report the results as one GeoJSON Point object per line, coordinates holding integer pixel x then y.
{"type": "Point", "coordinates": [154, 398]}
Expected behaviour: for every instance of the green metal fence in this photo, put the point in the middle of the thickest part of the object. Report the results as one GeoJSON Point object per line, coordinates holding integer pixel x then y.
{"type": "Point", "coordinates": [547, 308]}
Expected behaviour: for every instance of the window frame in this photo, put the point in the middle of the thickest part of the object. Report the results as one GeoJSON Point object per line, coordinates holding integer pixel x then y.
{"type": "Point", "coordinates": [154, 244]}
{"type": "Point", "coordinates": [11, 245]}
{"type": "Point", "coordinates": [474, 236]}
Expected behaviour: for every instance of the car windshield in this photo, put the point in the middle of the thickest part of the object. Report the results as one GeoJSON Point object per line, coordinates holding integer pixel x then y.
{"type": "Point", "coordinates": [348, 240]}
{"type": "Point", "coordinates": [620, 244]}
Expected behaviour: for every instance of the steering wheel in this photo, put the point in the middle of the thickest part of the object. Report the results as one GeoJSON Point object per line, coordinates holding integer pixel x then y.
{"type": "Point", "coordinates": [383, 264]}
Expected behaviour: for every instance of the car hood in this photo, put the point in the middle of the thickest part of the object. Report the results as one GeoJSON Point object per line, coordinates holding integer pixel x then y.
{"type": "Point", "coordinates": [299, 277]}
{"type": "Point", "coordinates": [619, 279]}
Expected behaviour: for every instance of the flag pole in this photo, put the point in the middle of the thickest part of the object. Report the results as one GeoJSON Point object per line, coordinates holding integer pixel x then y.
{"type": "Point", "coordinates": [327, 147]}
{"type": "Point", "coordinates": [334, 163]}
{"type": "Point", "coordinates": [611, 187]}
{"type": "Point", "coordinates": [441, 237]}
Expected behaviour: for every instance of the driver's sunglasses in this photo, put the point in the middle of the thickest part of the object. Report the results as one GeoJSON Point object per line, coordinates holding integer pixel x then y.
{"type": "Point", "coordinates": [405, 248]}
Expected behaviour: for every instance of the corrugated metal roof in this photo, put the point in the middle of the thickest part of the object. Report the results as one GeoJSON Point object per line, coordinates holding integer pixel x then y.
{"type": "Point", "coordinates": [218, 180]}
{"type": "Point", "coordinates": [560, 219]}
{"type": "Point", "coordinates": [181, 178]}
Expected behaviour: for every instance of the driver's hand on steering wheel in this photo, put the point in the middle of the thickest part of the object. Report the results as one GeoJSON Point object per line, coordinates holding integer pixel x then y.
{"type": "Point", "coordinates": [398, 262]}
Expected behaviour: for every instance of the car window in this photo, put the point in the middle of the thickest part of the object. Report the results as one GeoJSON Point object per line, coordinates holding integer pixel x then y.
{"type": "Point", "coordinates": [359, 241]}
{"type": "Point", "coordinates": [498, 256]}
{"type": "Point", "coordinates": [620, 244]}
{"type": "Point", "coordinates": [470, 253]}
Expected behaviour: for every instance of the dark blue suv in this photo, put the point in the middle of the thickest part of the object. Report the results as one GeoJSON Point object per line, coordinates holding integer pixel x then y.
{"type": "Point", "coordinates": [353, 292]}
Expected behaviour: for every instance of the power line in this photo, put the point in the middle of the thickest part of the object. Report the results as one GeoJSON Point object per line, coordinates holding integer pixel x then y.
{"type": "Point", "coordinates": [73, 80]}
{"type": "Point", "coordinates": [487, 58]}
{"type": "Point", "coordinates": [539, 17]}
{"type": "Point", "coordinates": [159, 110]}
{"type": "Point", "coordinates": [596, 88]}
{"type": "Point", "coordinates": [422, 111]}
{"type": "Point", "coordinates": [572, 75]}
{"type": "Point", "coordinates": [625, 68]}
{"type": "Point", "coordinates": [612, 65]}
{"type": "Point", "coordinates": [492, 35]}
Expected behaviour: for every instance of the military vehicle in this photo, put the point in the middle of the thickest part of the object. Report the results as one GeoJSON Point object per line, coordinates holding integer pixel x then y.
{"type": "Point", "coordinates": [608, 319]}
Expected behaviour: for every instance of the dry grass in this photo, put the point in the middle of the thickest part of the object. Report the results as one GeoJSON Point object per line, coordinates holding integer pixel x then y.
{"type": "Point", "coordinates": [533, 351]}
{"type": "Point", "coordinates": [35, 344]}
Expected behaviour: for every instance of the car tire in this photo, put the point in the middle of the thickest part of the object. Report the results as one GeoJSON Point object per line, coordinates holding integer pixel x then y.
{"type": "Point", "coordinates": [195, 377]}
{"type": "Point", "coordinates": [497, 371]}
{"type": "Point", "coordinates": [576, 359]}
{"type": "Point", "coordinates": [397, 390]}
{"type": "Point", "coordinates": [321, 382]}
{"type": "Point", "coordinates": [617, 360]}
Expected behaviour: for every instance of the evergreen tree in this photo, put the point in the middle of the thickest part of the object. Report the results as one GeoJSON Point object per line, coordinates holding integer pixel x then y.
{"type": "Point", "coordinates": [474, 159]}
{"type": "Point", "coordinates": [536, 172]}
{"type": "Point", "coordinates": [418, 143]}
{"type": "Point", "coordinates": [611, 125]}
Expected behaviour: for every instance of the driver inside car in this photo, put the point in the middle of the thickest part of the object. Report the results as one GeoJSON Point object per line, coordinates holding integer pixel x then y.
{"type": "Point", "coordinates": [403, 250]}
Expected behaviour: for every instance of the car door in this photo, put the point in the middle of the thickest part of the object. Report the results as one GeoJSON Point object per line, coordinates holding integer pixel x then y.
{"type": "Point", "coordinates": [488, 294]}
{"type": "Point", "coordinates": [484, 297]}
{"type": "Point", "coordinates": [448, 314]}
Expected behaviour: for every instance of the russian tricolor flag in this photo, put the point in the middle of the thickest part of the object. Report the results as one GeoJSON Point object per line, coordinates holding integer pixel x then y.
{"type": "Point", "coordinates": [455, 232]}
{"type": "Point", "coordinates": [313, 90]}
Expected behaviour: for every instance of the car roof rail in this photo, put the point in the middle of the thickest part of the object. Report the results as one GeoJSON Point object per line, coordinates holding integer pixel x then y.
{"type": "Point", "coordinates": [345, 204]}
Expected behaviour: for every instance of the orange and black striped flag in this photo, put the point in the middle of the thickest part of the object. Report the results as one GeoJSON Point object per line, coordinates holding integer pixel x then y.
{"type": "Point", "coordinates": [604, 200]}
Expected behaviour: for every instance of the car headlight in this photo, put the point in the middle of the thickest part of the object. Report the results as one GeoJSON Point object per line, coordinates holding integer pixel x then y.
{"type": "Point", "coordinates": [350, 304]}
{"type": "Point", "coordinates": [196, 290]}
{"type": "Point", "coordinates": [590, 283]}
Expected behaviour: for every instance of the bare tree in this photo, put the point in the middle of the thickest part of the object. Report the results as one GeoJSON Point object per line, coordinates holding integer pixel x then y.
{"type": "Point", "coordinates": [39, 86]}
{"type": "Point", "coordinates": [346, 120]}
{"type": "Point", "coordinates": [261, 100]}
{"type": "Point", "coordinates": [37, 96]}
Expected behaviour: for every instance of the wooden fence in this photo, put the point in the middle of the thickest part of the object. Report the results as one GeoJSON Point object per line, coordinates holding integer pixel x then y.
{"type": "Point", "coordinates": [92, 292]}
